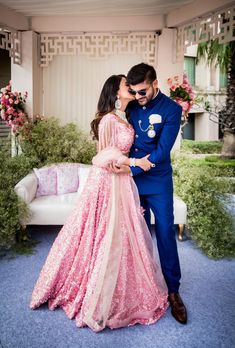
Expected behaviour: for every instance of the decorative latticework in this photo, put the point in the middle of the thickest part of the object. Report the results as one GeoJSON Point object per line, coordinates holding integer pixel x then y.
{"type": "Point", "coordinates": [220, 25]}
{"type": "Point", "coordinates": [98, 46]}
{"type": "Point", "coordinates": [11, 41]}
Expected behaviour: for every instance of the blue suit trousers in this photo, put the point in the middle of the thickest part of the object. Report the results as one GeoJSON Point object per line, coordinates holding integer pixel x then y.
{"type": "Point", "coordinates": [162, 208]}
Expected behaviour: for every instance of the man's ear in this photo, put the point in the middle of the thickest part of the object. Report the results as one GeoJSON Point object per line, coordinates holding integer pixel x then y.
{"type": "Point", "coordinates": [155, 84]}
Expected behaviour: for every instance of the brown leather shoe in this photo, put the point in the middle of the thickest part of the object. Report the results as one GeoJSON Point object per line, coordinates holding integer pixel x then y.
{"type": "Point", "coordinates": [178, 309]}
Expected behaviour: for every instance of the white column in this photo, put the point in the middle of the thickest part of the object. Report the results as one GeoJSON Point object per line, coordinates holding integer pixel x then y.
{"type": "Point", "coordinates": [28, 75]}
{"type": "Point", "coordinates": [167, 65]}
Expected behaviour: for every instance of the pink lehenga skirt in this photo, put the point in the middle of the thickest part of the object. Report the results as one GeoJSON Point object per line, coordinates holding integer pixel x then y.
{"type": "Point", "coordinates": [101, 268]}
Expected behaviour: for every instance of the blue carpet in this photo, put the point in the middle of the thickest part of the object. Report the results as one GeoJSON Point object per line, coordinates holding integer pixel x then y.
{"type": "Point", "coordinates": [208, 290]}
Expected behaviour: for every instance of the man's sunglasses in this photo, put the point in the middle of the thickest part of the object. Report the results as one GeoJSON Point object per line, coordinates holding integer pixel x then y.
{"type": "Point", "coordinates": [141, 92]}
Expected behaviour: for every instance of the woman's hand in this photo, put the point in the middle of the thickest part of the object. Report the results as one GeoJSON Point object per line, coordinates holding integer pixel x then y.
{"type": "Point", "coordinates": [144, 163]}
{"type": "Point", "coordinates": [116, 168]}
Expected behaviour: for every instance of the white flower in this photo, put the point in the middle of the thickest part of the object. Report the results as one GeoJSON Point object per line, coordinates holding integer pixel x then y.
{"type": "Point", "coordinates": [155, 118]}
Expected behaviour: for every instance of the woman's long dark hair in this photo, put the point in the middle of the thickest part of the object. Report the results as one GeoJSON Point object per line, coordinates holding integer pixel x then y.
{"type": "Point", "coordinates": [106, 102]}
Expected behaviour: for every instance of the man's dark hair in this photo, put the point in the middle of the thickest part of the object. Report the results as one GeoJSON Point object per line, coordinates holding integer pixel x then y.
{"type": "Point", "coordinates": [140, 73]}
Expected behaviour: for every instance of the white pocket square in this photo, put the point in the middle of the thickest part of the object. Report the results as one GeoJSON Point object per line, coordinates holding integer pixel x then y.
{"type": "Point", "coordinates": [155, 118]}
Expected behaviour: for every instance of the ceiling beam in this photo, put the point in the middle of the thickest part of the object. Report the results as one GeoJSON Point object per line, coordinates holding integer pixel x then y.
{"type": "Point", "coordinates": [97, 24]}
{"type": "Point", "coordinates": [12, 19]}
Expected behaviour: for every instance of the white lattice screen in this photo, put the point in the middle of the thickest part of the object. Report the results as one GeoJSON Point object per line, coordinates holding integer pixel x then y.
{"type": "Point", "coordinates": [73, 79]}
{"type": "Point", "coordinates": [98, 46]}
{"type": "Point", "coordinates": [220, 25]}
{"type": "Point", "coordinates": [10, 40]}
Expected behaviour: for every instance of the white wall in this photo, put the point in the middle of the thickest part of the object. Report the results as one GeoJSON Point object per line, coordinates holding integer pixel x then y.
{"type": "Point", "coordinates": [205, 129]}
{"type": "Point", "coordinates": [28, 75]}
{"type": "Point", "coordinates": [167, 65]}
{"type": "Point", "coordinates": [206, 76]}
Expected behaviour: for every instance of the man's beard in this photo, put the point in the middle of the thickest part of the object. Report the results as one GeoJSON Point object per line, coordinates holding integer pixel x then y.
{"type": "Point", "coordinates": [143, 101]}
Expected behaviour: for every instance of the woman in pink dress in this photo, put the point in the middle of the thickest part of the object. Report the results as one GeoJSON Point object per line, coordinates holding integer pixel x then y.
{"type": "Point", "coordinates": [101, 268]}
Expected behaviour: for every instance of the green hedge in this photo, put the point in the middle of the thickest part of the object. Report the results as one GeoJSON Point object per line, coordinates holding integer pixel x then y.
{"type": "Point", "coordinates": [49, 142]}
{"type": "Point", "coordinates": [209, 223]}
{"type": "Point", "coordinates": [216, 161]}
{"type": "Point", "coordinates": [13, 169]}
{"type": "Point", "coordinates": [201, 146]}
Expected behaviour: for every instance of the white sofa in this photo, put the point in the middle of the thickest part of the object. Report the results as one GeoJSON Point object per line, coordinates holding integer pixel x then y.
{"type": "Point", "coordinates": [54, 209]}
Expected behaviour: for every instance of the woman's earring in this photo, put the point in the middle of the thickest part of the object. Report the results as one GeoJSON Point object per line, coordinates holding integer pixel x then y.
{"type": "Point", "coordinates": [118, 103]}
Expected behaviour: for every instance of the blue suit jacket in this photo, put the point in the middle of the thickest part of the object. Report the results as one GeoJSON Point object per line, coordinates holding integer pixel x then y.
{"type": "Point", "coordinates": [157, 179]}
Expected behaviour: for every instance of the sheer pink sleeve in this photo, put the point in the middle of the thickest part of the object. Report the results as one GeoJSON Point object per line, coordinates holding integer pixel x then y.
{"type": "Point", "coordinates": [107, 151]}
{"type": "Point", "coordinates": [106, 132]}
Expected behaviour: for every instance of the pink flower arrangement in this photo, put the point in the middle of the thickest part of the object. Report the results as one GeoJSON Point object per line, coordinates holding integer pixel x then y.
{"type": "Point", "coordinates": [182, 93]}
{"type": "Point", "coordinates": [12, 108]}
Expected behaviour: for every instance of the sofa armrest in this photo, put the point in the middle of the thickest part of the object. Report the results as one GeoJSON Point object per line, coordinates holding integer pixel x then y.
{"type": "Point", "coordinates": [27, 187]}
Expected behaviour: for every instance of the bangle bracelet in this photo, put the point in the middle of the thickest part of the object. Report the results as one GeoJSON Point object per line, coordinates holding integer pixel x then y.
{"type": "Point", "coordinates": [132, 162]}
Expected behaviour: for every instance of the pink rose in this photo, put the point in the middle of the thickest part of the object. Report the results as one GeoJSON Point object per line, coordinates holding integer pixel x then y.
{"type": "Point", "coordinates": [169, 81]}
{"type": "Point", "coordinates": [184, 104]}
{"type": "Point", "coordinates": [185, 78]}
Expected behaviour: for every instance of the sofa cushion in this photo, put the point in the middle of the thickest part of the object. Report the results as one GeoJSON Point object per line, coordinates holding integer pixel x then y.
{"type": "Point", "coordinates": [84, 171]}
{"type": "Point", "coordinates": [47, 181]}
{"type": "Point", "coordinates": [67, 178]}
{"type": "Point", "coordinates": [52, 210]}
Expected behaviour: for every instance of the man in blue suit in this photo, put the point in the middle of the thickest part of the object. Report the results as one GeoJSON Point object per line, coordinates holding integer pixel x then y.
{"type": "Point", "coordinates": [156, 121]}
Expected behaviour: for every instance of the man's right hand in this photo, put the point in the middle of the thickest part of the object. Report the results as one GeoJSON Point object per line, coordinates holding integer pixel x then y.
{"type": "Point", "coordinates": [144, 163]}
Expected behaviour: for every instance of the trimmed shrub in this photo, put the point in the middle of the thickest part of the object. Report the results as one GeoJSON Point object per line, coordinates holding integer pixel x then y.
{"type": "Point", "coordinates": [49, 142]}
{"type": "Point", "coordinates": [201, 146]}
{"type": "Point", "coordinates": [12, 208]}
{"type": "Point", "coordinates": [209, 222]}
